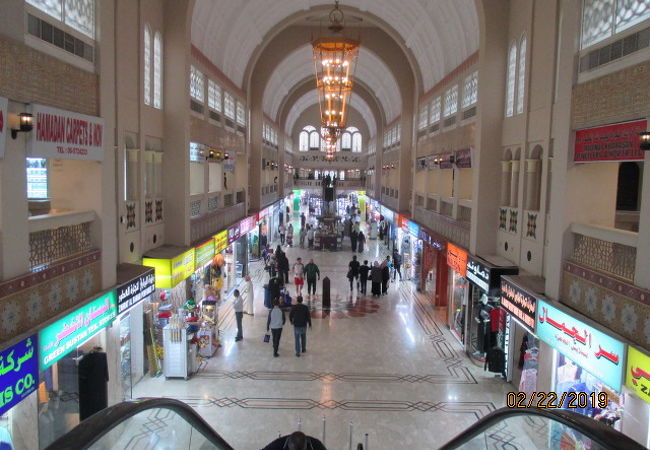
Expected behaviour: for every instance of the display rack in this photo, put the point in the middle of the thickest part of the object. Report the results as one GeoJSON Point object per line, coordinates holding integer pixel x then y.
{"type": "Point", "coordinates": [179, 353]}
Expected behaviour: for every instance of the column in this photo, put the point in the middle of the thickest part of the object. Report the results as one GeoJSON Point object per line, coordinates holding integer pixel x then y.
{"type": "Point", "coordinates": [505, 183]}
{"type": "Point", "coordinates": [514, 185]}
{"type": "Point", "coordinates": [532, 184]}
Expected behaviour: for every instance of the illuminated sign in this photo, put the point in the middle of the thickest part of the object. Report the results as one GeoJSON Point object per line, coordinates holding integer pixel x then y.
{"type": "Point", "coordinates": [18, 373]}
{"type": "Point", "coordinates": [64, 335]}
{"type": "Point", "coordinates": [133, 292]}
{"type": "Point", "coordinates": [486, 276]}
{"type": "Point", "coordinates": [182, 266]}
{"type": "Point", "coordinates": [203, 254]}
{"type": "Point", "coordinates": [234, 233]}
{"type": "Point", "coordinates": [246, 225]}
{"type": "Point", "coordinates": [170, 272]}
{"type": "Point", "coordinates": [387, 213]}
{"type": "Point", "coordinates": [221, 241]}
{"type": "Point", "coordinates": [610, 143]}
{"type": "Point", "coordinates": [519, 303]}
{"type": "Point", "coordinates": [637, 372]}
{"type": "Point", "coordinates": [457, 259]}
{"type": "Point", "coordinates": [593, 350]}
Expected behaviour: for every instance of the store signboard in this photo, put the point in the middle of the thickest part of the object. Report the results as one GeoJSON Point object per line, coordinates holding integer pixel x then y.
{"type": "Point", "coordinates": [203, 253]}
{"type": "Point", "coordinates": [136, 290]}
{"type": "Point", "coordinates": [463, 158]}
{"type": "Point", "coordinates": [234, 233]}
{"type": "Point", "coordinates": [637, 373]}
{"type": "Point", "coordinates": [67, 333]}
{"type": "Point", "coordinates": [387, 213]}
{"type": "Point", "coordinates": [182, 266]}
{"type": "Point", "coordinates": [618, 142]}
{"type": "Point", "coordinates": [413, 228]}
{"type": "Point", "coordinates": [246, 225]}
{"type": "Point", "coordinates": [402, 222]}
{"type": "Point", "coordinates": [519, 303]}
{"type": "Point", "coordinates": [4, 124]}
{"type": "Point", "coordinates": [18, 373]}
{"type": "Point", "coordinates": [479, 273]}
{"type": "Point", "coordinates": [263, 213]}
{"type": "Point", "coordinates": [457, 259]}
{"type": "Point", "coordinates": [593, 350]}
{"type": "Point", "coordinates": [65, 135]}
{"type": "Point", "coordinates": [221, 241]}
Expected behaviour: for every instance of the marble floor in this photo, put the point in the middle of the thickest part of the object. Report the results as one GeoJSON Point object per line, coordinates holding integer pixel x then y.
{"type": "Point", "coordinates": [386, 367]}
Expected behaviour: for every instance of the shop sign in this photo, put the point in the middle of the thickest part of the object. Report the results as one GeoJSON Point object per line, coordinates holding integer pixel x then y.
{"type": "Point", "coordinates": [463, 158]}
{"type": "Point", "coordinates": [246, 225]}
{"type": "Point", "coordinates": [220, 241]}
{"type": "Point", "coordinates": [65, 135]}
{"type": "Point", "coordinates": [263, 213]}
{"type": "Point", "coordinates": [402, 222]}
{"type": "Point", "coordinates": [637, 376]}
{"type": "Point", "coordinates": [234, 233]}
{"type": "Point", "coordinates": [182, 267]}
{"type": "Point", "coordinates": [610, 143]}
{"type": "Point", "coordinates": [203, 254]}
{"type": "Point", "coordinates": [133, 292]}
{"type": "Point", "coordinates": [457, 259]}
{"type": "Point", "coordinates": [593, 350]}
{"type": "Point", "coordinates": [67, 333]}
{"type": "Point", "coordinates": [519, 303]}
{"type": "Point", "coordinates": [197, 152]}
{"type": "Point", "coordinates": [18, 373]}
{"type": "Point", "coordinates": [478, 273]}
{"type": "Point", "coordinates": [445, 161]}
{"type": "Point", "coordinates": [4, 124]}
{"type": "Point", "coordinates": [387, 213]}
{"type": "Point", "coordinates": [413, 228]}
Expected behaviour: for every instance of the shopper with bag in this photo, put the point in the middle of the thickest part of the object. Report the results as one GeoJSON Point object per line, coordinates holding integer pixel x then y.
{"type": "Point", "coordinates": [300, 317]}
{"type": "Point", "coordinates": [275, 322]}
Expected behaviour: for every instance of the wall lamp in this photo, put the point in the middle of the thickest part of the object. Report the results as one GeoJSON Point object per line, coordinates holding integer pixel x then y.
{"type": "Point", "coordinates": [644, 137]}
{"type": "Point", "coordinates": [26, 123]}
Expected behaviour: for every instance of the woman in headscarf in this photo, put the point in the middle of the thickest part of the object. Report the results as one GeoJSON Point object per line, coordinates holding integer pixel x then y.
{"type": "Point", "coordinates": [375, 277]}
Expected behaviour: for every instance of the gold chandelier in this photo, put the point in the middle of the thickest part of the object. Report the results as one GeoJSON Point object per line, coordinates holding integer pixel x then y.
{"type": "Point", "coordinates": [334, 61]}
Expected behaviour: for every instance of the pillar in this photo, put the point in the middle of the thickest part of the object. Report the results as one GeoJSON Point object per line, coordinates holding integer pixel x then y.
{"type": "Point", "coordinates": [514, 185]}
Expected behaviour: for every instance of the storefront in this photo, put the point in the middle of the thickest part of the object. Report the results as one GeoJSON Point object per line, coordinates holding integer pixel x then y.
{"type": "Point", "coordinates": [458, 291]}
{"type": "Point", "coordinates": [431, 276]}
{"type": "Point", "coordinates": [488, 326]}
{"type": "Point", "coordinates": [523, 346]}
{"type": "Point", "coordinates": [264, 234]}
{"type": "Point", "coordinates": [236, 258]}
{"type": "Point", "coordinates": [248, 227]}
{"type": "Point", "coordinates": [390, 219]}
{"type": "Point", "coordinates": [18, 381]}
{"type": "Point", "coordinates": [372, 217]}
{"type": "Point", "coordinates": [134, 296]}
{"type": "Point", "coordinates": [587, 364]}
{"type": "Point", "coordinates": [636, 392]}
{"type": "Point", "coordinates": [73, 368]}
{"type": "Point", "coordinates": [409, 246]}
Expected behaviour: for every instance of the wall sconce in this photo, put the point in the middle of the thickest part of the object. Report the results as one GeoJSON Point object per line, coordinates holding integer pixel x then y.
{"type": "Point", "coordinates": [644, 137]}
{"type": "Point", "coordinates": [392, 166]}
{"type": "Point", "coordinates": [226, 156]}
{"type": "Point", "coordinates": [26, 123]}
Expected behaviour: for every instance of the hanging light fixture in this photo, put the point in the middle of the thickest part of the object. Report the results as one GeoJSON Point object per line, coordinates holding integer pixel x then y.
{"type": "Point", "coordinates": [334, 61]}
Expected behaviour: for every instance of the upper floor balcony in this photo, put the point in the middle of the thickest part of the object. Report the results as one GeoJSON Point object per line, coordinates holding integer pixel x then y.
{"type": "Point", "coordinates": [351, 184]}
{"type": "Point", "coordinates": [447, 216]}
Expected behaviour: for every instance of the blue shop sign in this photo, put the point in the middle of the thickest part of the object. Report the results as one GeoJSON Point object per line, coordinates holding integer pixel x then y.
{"type": "Point", "coordinates": [18, 373]}
{"type": "Point", "coordinates": [414, 228]}
{"type": "Point", "coordinates": [387, 213]}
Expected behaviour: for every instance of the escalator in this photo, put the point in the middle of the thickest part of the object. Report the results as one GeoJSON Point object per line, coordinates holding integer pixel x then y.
{"type": "Point", "coordinates": [163, 423]}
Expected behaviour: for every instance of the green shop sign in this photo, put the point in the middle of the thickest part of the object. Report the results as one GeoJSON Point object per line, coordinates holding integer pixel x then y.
{"type": "Point", "coordinates": [67, 333]}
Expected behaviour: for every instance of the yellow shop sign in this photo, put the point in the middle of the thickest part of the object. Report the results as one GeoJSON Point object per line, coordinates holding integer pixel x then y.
{"type": "Point", "coordinates": [637, 373]}
{"type": "Point", "coordinates": [221, 241]}
{"type": "Point", "coordinates": [170, 272]}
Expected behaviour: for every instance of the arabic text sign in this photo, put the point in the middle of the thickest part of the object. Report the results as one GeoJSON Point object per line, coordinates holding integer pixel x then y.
{"type": "Point", "coordinates": [519, 303]}
{"type": "Point", "coordinates": [221, 241]}
{"type": "Point", "coordinates": [182, 266]}
{"type": "Point", "coordinates": [64, 134]}
{"type": "Point", "coordinates": [4, 124]}
{"type": "Point", "coordinates": [637, 376]}
{"type": "Point", "coordinates": [457, 259]}
{"type": "Point", "coordinates": [479, 273]}
{"type": "Point", "coordinates": [593, 350]}
{"type": "Point", "coordinates": [18, 373]}
{"type": "Point", "coordinates": [610, 143]}
{"type": "Point", "coordinates": [135, 291]}
{"type": "Point", "coordinates": [67, 333]}
{"type": "Point", "coordinates": [203, 254]}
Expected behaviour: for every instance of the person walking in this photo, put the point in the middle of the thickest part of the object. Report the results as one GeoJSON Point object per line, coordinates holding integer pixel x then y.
{"type": "Point", "coordinates": [250, 296]}
{"type": "Point", "coordinates": [312, 273]}
{"type": "Point", "coordinates": [397, 264]}
{"type": "Point", "coordinates": [298, 270]}
{"type": "Point", "coordinates": [282, 230]}
{"type": "Point", "coordinates": [353, 272]}
{"type": "Point", "coordinates": [375, 277]}
{"type": "Point", "coordinates": [303, 219]}
{"type": "Point", "coordinates": [303, 235]}
{"type": "Point", "coordinates": [290, 235]}
{"type": "Point", "coordinates": [275, 322]}
{"type": "Point", "coordinates": [361, 240]}
{"type": "Point", "coordinates": [300, 317]}
{"type": "Point", "coordinates": [385, 275]}
{"type": "Point", "coordinates": [311, 234]}
{"type": "Point", "coordinates": [283, 264]}
{"type": "Point", "coordinates": [238, 306]}
{"type": "Point", "coordinates": [353, 239]}
{"type": "Point", "coordinates": [364, 270]}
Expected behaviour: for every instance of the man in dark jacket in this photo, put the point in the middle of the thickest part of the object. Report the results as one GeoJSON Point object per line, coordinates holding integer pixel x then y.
{"type": "Point", "coordinates": [312, 273]}
{"type": "Point", "coordinates": [300, 317]}
{"type": "Point", "coordinates": [363, 275]}
{"type": "Point", "coordinates": [353, 272]}
{"type": "Point", "coordinates": [283, 264]}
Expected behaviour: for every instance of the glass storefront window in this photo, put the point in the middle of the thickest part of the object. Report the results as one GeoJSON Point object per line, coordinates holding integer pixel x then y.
{"type": "Point", "coordinates": [458, 304]}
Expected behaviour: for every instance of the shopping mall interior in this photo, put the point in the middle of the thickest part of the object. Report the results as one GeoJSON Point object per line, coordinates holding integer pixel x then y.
{"type": "Point", "coordinates": [318, 224]}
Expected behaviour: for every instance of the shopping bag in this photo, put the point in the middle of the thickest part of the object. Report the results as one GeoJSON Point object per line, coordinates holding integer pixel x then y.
{"type": "Point", "coordinates": [267, 337]}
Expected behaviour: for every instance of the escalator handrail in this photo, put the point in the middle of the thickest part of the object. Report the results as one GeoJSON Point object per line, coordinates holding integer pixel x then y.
{"type": "Point", "coordinates": [95, 427]}
{"type": "Point", "coordinates": [604, 435]}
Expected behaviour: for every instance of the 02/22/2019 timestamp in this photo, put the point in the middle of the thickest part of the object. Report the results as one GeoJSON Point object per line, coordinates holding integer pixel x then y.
{"type": "Point", "coordinates": [555, 400]}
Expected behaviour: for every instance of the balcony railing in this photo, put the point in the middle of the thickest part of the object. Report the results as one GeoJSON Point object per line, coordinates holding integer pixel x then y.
{"type": "Point", "coordinates": [340, 184]}
{"type": "Point", "coordinates": [213, 222]}
{"type": "Point", "coordinates": [456, 230]}
{"type": "Point", "coordinates": [608, 249]}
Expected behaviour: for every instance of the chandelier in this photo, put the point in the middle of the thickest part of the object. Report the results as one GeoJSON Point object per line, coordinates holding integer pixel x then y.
{"type": "Point", "coordinates": [334, 61]}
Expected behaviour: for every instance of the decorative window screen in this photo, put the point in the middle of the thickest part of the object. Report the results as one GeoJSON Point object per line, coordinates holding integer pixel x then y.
{"type": "Point", "coordinates": [510, 80]}
{"type": "Point", "coordinates": [147, 66]}
{"type": "Point", "coordinates": [424, 116]}
{"type": "Point", "coordinates": [214, 96]}
{"type": "Point", "coordinates": [434, 110]}
{"type": "Point", "coordinates": [521, 79]}
{"type": "Point", "coordinates": [451, 101]}
{"type": "Point", "coordinates": [229, 105]}
{"type": "Point", "coordinates": [241, 114]}
{"type": "Point", "coordinates": [470, 90]}
{"type": "Point", "coordinates": [157, 71]}
{"type": "Point", "coordinates": [196, 84]}
{"type": "Point", "coordinates": [77, 14]}
{"type": "Point", "coordinates": [356, 142]}
{"type": "Point", "coordinates": [631, 12]}
{"type": "Point", "coordinates": [604, 18]}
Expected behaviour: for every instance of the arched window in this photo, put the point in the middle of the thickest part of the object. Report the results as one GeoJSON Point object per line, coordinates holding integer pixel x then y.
{"type": "Point", "coordinates": [356, 142]}
{"type": "Point", "coordinates": [510, 80]}
{"type": "Point", "coordinates": [157, 71]}
{"type": "Point", "coordinates": [342, 175]}
{"type": "Point", "coordinates": [314, 140]}
{"type": "Point", "coordinates": [521, 79]}
{"type": "Point", "coordinates": [346, 141]}
{"type": "Point", "coordinates": [147, 65]}
{"type": "Point", "coordinates": [303, 141]}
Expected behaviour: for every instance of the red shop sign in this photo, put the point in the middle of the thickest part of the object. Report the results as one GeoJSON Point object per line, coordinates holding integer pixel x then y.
{"type": "Point", "coordinates": [457, 259]}
{"type": "Point", "coordinates": [610, 143]}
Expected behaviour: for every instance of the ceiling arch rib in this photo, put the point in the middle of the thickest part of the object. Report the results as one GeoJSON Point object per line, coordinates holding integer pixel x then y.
{"type": "Point", "coordinates": [440, 33]}
{"type": "Point", "coordinates": [311, 98]}
{"type": "Point", "coordinates": [297, 66]}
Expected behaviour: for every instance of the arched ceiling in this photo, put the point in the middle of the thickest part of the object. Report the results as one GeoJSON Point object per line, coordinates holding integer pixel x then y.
{"type": "Point", "coordinates": [440, 33]}
{"type": "Point", "coordinates": [311, 98]}
{"type": "Point", "coordinates": [297, 66]}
